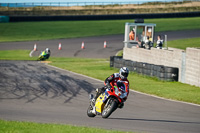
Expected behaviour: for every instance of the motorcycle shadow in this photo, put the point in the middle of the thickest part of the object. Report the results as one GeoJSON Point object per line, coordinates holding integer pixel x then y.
{"type": "Point", "coordinates": [151, 120]}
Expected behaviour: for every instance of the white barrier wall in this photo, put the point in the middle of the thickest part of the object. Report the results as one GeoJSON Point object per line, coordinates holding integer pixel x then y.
{"type": "Point", "coordinates": [189, 67]}
{"type": "Point", "coordinates": [192, 75]}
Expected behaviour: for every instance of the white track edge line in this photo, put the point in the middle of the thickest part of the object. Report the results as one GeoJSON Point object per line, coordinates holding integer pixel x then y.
{"type": "Point", "coordinates": [130, 89]}
{"type": "Point", "coordinates": [117, 53]}
{"type": "Point", "coordinates": [30, 54]}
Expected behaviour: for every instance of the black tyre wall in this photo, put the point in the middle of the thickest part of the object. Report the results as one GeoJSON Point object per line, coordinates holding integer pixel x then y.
{"type": "Point", "coordinates": [161, 72]}
{"type": "Point", "coordinates": [111, 61]}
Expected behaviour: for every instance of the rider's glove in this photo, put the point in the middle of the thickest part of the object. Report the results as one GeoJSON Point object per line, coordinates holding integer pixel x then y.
{"type": "Point", "coordinates": [108, 86]}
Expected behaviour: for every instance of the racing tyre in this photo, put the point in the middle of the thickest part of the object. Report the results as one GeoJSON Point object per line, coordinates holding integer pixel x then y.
{"type": "Point", "coordinates": [111, 107]}
{"type": "Point", "coordinates": [117, 60]}
{"type": "Point", "coordinates": [129, 68]}
{"type": "Point", "coordinates": [116, 65]}
{"type": "Point", "coordinates": [111, 61]}
{"type": "Point", "coordinates": [151, 73]}
{"type": "Point", "coordinates": [148, 72]}
{"type": "Point", "coordinates": [161, 75]}
{"type": "Point", "coordinates": [89, 112]}
{"type": "Point", "coordinates": [139, 70]}
{"type": "Point", "coordinates": [140, 64]}
{"type": "Point", "coordinates": [133, 63]}
{"type": "Point", "coordinates": [171, 70]}
{"type": "Point", "coordinates": [155, 73]}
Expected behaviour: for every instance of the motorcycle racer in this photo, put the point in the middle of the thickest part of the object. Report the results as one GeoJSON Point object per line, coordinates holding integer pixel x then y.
{"type": "Point", "coordinates": [113, 79]}
{"type": "Point", "coordinates": [45, 54]}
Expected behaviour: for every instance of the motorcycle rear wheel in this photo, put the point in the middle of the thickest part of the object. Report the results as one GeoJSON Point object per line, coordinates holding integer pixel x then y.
{"type": "Point", "coordinates": [111, 107]}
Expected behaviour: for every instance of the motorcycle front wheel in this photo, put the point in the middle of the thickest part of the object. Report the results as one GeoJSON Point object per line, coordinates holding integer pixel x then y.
{"type": "Point", "coordinates": [41, 58]}
{"type": "Point", "coordinates": [109, 108]}
{"type": "Point", "coordinates": [89, 112]}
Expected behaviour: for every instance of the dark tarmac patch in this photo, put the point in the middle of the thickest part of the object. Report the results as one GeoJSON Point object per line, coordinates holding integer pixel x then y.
{"type": "Point", "coordinates": [76, 53]}
{"type": "Point", "coordinates": [30, 81]}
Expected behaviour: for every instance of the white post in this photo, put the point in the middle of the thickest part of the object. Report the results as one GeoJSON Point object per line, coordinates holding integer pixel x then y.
{"type": "Point", "coordinates": [126, 36]}
{"type": "Point", "coordinates": [166, 42]}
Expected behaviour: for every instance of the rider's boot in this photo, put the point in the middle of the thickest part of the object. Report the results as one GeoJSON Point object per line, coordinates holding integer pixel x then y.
{"type": "Point", "coordinates": [121, 105]}
{"type": "Point", "coordinates": [92, 100]}
{"type": "Point", "coordinates": [98, 93]}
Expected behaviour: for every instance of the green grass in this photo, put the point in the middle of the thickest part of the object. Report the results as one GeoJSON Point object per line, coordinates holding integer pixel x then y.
{"type": "Point", "coordinates": [25, 31]}
{"type": "Point", "coordinates": [31, 127]}
{"type": "Point", "coordinates": [120, 53]}
{"type": "Point", "coordinates": [184, 43]}
{"type": "Point", "coordinates": [16, 55]}
{"type": "Point", "coordinates": [99, 68]}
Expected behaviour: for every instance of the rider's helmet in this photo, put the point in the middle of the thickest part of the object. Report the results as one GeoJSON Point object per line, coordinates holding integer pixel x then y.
{"type": "Point", "coordinates": [123, 72]}
{"type": "Point", "coordinates": [47, 50]}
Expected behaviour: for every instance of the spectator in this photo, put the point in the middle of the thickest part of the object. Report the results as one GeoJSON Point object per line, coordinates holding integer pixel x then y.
{"type": "Point", "coordinates": [159, 42]}
{"type": "Point", "coordinates": [147, 44]}
{"type": "Point", "coordinates": [132, 35]}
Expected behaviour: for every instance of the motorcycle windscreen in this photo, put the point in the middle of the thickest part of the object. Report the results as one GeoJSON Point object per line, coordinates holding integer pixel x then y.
{"type": "Point", "coordinates": [99, 105]}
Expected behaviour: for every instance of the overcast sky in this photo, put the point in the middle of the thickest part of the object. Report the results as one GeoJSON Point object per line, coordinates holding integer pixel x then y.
{"type": "Point", "coordinates": [27, 1]}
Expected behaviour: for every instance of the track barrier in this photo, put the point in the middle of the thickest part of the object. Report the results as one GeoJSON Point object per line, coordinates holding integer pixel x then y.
{"type": "Point", "coordinates": [163, 73]}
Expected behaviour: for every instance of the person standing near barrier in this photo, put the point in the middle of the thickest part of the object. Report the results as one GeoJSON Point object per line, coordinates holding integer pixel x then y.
{"type": "Point", "coordinates": [132, 35]}
{"type": "Point", "coordinates": [159, 42]}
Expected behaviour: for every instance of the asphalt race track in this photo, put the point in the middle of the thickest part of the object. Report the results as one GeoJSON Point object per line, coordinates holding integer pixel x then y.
{"type": "Point", "coordinates": [93, 45]}
{"type": "Point", "coordinates": [33, 91]}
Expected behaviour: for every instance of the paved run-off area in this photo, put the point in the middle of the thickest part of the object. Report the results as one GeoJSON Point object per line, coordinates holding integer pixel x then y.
{"type": "Point", "coordinates": [33, 91]}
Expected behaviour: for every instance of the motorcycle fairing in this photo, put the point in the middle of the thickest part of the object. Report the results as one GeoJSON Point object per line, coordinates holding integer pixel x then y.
{"type": "Point", "coordinates": [99, 105]}
{"type": "Point", "coordinates": [43, 55]}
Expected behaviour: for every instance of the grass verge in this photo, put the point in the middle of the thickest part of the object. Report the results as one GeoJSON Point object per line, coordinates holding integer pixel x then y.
{"type": "Point", "coordinates": [28, 127]}
{"type": "Point", "coordinates": [119, 53]}
{"type": "Point", "coordinates": [184, 43]}
{"type": "Point", "coordinates": [99, 69]}
{"type": "Point", "coordinates": [25, 31]}
{"type": "Point", "coordinates": [16, 55]}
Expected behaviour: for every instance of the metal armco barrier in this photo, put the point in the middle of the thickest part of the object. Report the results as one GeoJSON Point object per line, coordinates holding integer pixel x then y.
{"type": "Point", "coordinates": [164, 73]}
